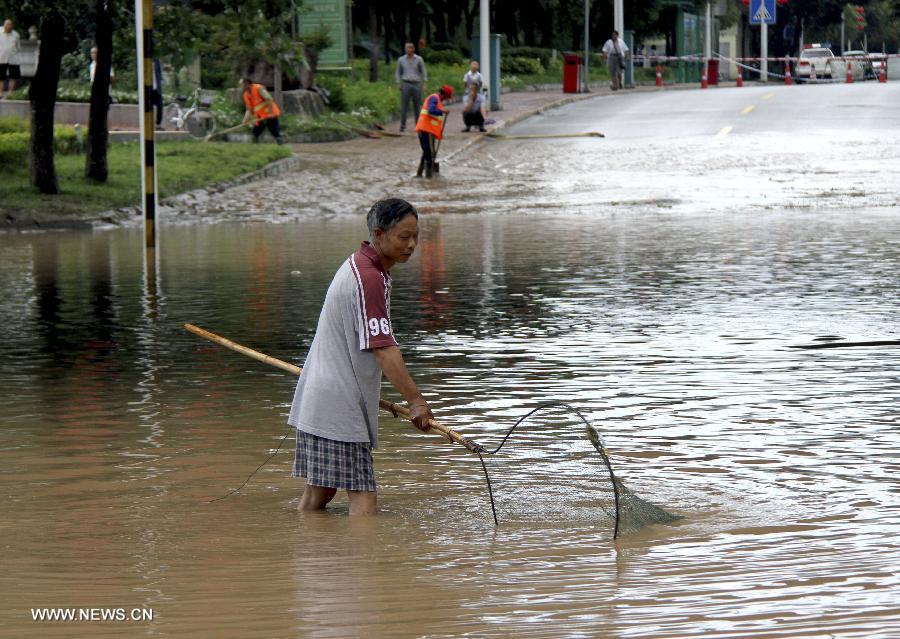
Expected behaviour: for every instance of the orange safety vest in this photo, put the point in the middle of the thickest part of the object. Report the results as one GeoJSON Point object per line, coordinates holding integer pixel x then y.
{"type": "Point", "coordinates": [258, 106]}
{"type": "Point", "coordinates": [431, 123]}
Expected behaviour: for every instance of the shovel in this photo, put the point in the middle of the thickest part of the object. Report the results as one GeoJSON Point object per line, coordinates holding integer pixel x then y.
{"type": "Point", "coordinates": [231, 130]}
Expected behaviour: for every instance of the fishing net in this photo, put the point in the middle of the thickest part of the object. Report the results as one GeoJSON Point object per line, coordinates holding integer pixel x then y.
{"type": "Point", "coordinates": [557, 468]}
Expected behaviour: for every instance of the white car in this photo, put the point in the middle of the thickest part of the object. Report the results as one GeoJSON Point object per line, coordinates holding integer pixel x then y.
{"type": "Point", "coordinates": [860, 65]}
{"type": "Point", "coordinates": [819, 58]}
{"type": "Point", "coordinates": [878, 61]}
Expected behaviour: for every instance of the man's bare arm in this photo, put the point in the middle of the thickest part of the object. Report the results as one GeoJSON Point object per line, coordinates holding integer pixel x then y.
{"type": "Point", "coordinates": [391, 361]}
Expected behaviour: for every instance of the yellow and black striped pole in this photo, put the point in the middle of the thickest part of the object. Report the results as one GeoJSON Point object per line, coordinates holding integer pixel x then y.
{"type": "Point", "coordinates": [143, 12]}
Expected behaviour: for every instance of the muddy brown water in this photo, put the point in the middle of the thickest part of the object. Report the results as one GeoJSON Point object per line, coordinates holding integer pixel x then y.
{"type": "Point", "coordinates": [669, 331]}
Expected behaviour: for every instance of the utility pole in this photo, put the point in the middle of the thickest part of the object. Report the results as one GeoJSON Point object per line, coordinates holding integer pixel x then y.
{"type": "Point", "coordinates": [843, 20]}
{"type": "Point", "coordinates": [484, 22]}
{"type": "Point", "coordinates": [586, 76]}
{"type": "Point", "coordinates": [707, 40]}
{"type": "Point", "coordinates": [143, 15]}
{"type": "Point", "coordinates": [619, 17]}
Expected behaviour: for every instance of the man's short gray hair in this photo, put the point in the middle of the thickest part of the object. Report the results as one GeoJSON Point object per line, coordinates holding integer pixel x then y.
{"type": "Point", "coordinates": [385, 214]}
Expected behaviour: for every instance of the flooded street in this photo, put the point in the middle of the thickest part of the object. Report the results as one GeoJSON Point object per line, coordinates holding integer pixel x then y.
{"type": "Point", "coordinates": [545, 272]}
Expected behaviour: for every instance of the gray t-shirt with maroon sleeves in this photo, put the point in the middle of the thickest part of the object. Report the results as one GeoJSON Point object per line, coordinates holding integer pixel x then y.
{"type": "Point", "coordinates": [339, 388]}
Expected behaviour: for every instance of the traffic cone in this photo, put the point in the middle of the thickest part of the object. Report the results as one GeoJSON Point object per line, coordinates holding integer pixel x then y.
{"type": "Point", "coordinates": [882, 75]}
{"type": "Point", "coordinates": [849, 73]}
{"type": "Point", "coordinates": [787, 73]}
{"type": "Point", "coordinates": [703, 83]}
{"type": "Point", "coordinates": [658, 75]}
{"type": "Point", "coordinates": [740, 80]}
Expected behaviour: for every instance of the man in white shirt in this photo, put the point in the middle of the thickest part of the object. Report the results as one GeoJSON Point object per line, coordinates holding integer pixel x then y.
{"type": "Point", "coordinates": [472, 76]}
{"type": "Point", "coordinates": [9, 64]}
{"type": "Point", "coordinates": [614, 50]}
{"type": "Point", "coordinates": [112, 74]}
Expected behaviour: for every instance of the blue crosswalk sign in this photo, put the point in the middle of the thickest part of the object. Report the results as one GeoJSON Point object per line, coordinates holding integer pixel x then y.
{"type": "Point", "coordinates": [762, 11]}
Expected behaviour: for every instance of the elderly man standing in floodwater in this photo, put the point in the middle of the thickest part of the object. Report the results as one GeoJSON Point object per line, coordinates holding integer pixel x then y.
{"type": "Point", "coordinates": [411, 76]}
{"type": "Point", "coordinates": [335, 407]}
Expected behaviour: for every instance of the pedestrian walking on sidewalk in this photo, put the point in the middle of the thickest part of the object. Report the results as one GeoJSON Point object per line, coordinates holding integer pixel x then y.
{"type": "Point", "coordinates": [614, 50]}
{"type": "Point", "coordinates": [430, 126]}
{"type": "Point", "coordinates": [9, 62]}
{"type": "Point", "coordinates": [411, 76]}
{"type": "Point", "coordinates": [261, 109]}
{"type": "Point", "coordinates": [335, 407]}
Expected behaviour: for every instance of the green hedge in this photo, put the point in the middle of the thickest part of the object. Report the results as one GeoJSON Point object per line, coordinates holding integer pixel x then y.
{"type": "Point", "coordinates": [80, 91]}
{"type": "Point", "coordinates": [544, 55]}
{"type": "Point", "coordinates": [521, 66]}
{"type": "Point", "coordinates": [12, 124]}
{"type": "Point", "coordinates": [14, 144]}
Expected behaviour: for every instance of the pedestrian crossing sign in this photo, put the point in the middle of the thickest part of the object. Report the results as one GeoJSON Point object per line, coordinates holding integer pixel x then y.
{"type": "Point", "coordinates": [762, 11]}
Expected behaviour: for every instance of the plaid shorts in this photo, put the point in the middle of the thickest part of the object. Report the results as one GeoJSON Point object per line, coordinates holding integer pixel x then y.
{"type": "Point", "coordinates": [334, 464]}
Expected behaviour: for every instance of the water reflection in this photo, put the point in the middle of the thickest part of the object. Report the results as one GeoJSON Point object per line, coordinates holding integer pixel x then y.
{"type": "Point", "coordinates": [668, 331]}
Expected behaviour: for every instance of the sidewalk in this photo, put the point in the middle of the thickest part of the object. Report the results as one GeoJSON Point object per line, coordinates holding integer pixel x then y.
{"type": "Point", "coordinates": [333, 178]}
{"type": "Point", "coordinates": [339, 178]}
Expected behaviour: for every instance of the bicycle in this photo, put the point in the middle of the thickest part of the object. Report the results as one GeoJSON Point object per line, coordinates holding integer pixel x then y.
{"type": "Point", "coordinates": [197, 120]}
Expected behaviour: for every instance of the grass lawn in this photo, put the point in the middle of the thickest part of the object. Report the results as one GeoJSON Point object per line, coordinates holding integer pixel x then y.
{"type": "Point", "coordinates": [181, 166]}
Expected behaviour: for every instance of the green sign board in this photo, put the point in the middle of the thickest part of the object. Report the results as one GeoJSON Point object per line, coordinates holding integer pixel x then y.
{"type": "Point", "coordinates": [332, 15]}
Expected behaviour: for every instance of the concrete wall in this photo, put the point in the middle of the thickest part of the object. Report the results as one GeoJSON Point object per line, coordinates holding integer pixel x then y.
{"type": "Point", "coordinates": [125, 117]}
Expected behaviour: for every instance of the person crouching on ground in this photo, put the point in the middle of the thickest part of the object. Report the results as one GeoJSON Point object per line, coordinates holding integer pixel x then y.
{"type": "Point", "coordinates": [473, 109]}
{"type": "Point", "coordinates": [335, 407]}
{"type": "Point", "coordinates": [431, 125]}
{"type": "Point", "coordinates": [261, 109]}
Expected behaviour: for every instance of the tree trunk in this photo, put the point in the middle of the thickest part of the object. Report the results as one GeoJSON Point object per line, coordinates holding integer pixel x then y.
{"type": "Point", "coordinates": [42, 97]}
{"type": "Point", "coordinates": [439, 20]}
{"type": "Point", "coordinates": [470, 10]}
{"type": "Point", "coordinates": [96, 167]}
{"type": "Point", "coordinates": [415, 23]}
{"type": "Point", "coordinates": [373, 42]}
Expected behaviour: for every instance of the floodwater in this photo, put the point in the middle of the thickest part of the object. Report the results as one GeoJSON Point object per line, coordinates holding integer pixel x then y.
{"type": "Point", "coordinates": [668, 328]}
{"type": "Point", "coordinates": [670, 334]}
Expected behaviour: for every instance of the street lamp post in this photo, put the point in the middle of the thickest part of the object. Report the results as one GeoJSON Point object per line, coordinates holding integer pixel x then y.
{"type": "Point", "coordinates": [485, 42]}
{"type": "Point", "coordinates": [587, 41]}
{"type": "Point", "coordinates": [707, 40]}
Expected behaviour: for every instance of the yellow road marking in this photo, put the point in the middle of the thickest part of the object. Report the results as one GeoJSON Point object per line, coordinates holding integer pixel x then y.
{"type": "Point", "coordinates": [725, 130]}
{"type": "Point", "coordinates": [748, 109]}
{"type": "Point", "coordinates": [768, 96]}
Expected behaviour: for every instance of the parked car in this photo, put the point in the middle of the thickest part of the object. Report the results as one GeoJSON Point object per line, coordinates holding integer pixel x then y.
{"type": "Point", "coordinates": [819, 58]}
{"type": "Point", "coordinates": [878, 61]}
{"type": "Point", "coordinates": [860, 65]}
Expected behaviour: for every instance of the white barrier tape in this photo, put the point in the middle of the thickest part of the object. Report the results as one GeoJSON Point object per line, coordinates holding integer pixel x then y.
{"type": "Point", "coordinates": [821, 80]}
{"type": "Point", "coordinates": [696, 57]}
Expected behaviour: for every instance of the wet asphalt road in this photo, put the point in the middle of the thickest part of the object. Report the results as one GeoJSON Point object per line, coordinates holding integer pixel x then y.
{"type": "Point", "coordinates": [773, 148]}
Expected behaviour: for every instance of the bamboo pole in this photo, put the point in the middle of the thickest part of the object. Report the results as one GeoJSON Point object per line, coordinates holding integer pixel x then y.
{"type": "Point", "coordinates": [396, 410]}
{"type": "Point", "coordinates": [884, 342]}
{"type": "Point", "coordinates": [541, 136]}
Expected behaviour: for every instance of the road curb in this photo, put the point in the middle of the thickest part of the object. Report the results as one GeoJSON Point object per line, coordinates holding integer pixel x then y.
{"type": "Point", "coordinates": [126, 214]}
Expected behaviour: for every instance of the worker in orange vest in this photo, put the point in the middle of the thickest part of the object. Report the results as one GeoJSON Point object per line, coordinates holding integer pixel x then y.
{"type": "Point", "coordinates": [430, 126]}
{"type": "Point", "coordinates": [261, 109]}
